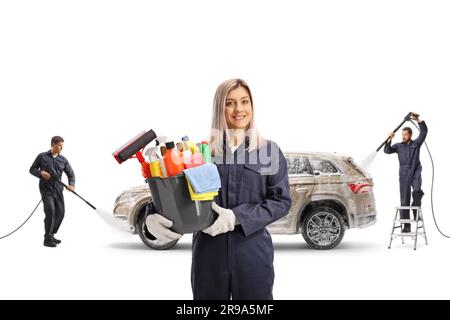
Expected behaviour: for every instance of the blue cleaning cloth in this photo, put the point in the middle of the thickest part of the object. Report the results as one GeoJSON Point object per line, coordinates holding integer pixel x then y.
{"type": "Point", "coordinates": [204, 178]}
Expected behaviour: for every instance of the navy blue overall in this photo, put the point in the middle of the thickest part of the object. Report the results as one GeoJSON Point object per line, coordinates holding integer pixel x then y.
{"type": "Point", "coordinates": [410, 169]}
{"type": "Point", "coordinates": [239, 264]}
{"type": "Point", "coordinates": [52, 191]}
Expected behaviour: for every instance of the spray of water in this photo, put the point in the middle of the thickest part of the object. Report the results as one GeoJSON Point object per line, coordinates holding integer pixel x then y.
{"type": "Point", "coordinates": [112, 222]}
{"type": "Point", "coordinates": [367, 162]}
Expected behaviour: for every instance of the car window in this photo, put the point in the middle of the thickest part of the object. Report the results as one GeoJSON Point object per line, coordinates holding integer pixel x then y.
{"type": "Point", "coordinates": [297, 166]}
{"type": "Point", "coordinates": [324, 166]}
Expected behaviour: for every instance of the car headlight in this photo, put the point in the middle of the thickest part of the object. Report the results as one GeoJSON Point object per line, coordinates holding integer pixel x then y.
{"type": "Point", "coordinates": [125, 198]}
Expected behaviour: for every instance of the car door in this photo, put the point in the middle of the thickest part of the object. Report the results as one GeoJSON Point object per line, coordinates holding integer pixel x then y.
{"type": "Point", "coordinates": [301, 181]}
{"type": "Point", "coordinates": [327, 176]}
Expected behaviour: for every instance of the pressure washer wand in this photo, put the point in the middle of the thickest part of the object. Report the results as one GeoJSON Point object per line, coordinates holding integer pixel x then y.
{"type": "Point", "coordinates": [407, 118]}
{"type": "Point", "coordinates": [87, 202]}
{"type": "Point", "coordinates": [54, 176]}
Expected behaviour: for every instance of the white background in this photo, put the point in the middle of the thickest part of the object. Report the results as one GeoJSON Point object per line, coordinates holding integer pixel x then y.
{"type": "Point", "coordinates": [330, 76]}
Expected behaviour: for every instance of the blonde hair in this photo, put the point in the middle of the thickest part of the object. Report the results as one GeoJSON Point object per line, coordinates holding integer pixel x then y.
{"type": "Point", "coordinates": [219, 125]}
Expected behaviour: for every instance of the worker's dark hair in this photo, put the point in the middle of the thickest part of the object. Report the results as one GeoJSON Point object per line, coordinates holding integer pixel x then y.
{"type": "Point", "coordinates": [57, 139]}
{"type": "Point", "coordinates": [408, 129]}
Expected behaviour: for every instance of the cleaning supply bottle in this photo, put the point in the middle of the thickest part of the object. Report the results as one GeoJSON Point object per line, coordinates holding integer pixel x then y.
{"type": "Point", "coordinates": [195, 161]}
{"type": "Point", "coordinates": [206, 151]}
{"type": "Point", "coordinates": [162, 153]}
{"type": "Point", "coordinates": [163, 150]}
{"type": "Point", "coordinates": [189, 145]}
{"type": "Point", "coordinates": [151, 151]}
{"type": "Point", "coordinates": [160, 141]}
{"type": "Point", "coordinates": [173, 160]}
{"type": "Point", "coordinates": [184, 142]}
{"type": "Point", "coordinates": [180, 147]}
{"type": "Point", "coordinates": [162, 165]}
{"type": "Point", "coordinates": [192, 156]}
{"type": "Point", "coordinates": [155, 165]}
{"type": "Point", "coordinates": [187, 158]}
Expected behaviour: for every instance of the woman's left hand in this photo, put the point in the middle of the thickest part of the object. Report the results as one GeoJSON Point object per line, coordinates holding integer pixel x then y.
{"type": "Point", "coordinates": [225, 222]}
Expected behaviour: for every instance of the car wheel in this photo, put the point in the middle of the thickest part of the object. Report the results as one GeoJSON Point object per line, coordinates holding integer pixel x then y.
{"type": "Point", "coordinates": [147, 238]}
{"type": "Point", "coordinates": [323, 228]}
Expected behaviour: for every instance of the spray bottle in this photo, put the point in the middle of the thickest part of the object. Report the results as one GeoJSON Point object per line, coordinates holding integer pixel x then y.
{"type": "Point", "coordinates": [155, 165]}
{"type": "Point", "coordinates": [160, 152]}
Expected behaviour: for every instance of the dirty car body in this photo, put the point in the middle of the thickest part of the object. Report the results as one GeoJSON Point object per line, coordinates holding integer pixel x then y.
{"type": "Point", "coordinates": [330, 194]}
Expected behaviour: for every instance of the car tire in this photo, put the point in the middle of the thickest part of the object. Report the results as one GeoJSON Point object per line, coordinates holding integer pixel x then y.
{"type": "Point", "coordinates": [323, 228]}
{"type": "Point", "coordinates": [147, 238]}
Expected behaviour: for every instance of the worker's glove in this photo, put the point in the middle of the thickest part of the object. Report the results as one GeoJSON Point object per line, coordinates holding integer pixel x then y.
{"type": "Point", "coordinates": [225, 221]}
{"type": "Point", "coordinates": [159, 226]}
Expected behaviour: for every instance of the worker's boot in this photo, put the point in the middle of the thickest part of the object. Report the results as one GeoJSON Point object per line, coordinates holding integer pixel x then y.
{"type": "Point", "coordinates": [49, 243]}
{"type": "Point", "coordinates": [57, 241]}
{"type": "Point", "coordinates": [406, 228]}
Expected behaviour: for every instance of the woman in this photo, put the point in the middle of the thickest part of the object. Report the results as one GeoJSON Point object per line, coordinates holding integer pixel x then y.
{"type": "Point", "coordinates": [233, 258]}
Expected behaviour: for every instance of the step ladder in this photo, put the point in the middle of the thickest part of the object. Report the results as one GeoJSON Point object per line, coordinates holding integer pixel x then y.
{"type": "Point", "coordinates": [417, 226]}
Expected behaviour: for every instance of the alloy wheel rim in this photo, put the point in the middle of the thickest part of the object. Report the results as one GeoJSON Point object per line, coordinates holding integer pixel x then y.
{"type": "Point", "coordinates": [323, 228]}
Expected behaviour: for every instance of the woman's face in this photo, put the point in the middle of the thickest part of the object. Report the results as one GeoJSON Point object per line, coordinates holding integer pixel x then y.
{"type": "Point", "coordinates": [238, 108]}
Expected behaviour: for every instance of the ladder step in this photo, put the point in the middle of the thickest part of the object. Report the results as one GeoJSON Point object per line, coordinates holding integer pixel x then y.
{"type": "Point", "coordinates": [407, 208]}
{"type": "Point", "coordinates": [408, 234]}
{"type": "Point", "coordinates": [408, 221]}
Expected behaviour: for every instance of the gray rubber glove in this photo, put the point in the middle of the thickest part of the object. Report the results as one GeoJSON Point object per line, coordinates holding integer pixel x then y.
{"type": "Point", "coordinates": [225, 222]}
{"type": "Point", "coordinates": [159, 226]}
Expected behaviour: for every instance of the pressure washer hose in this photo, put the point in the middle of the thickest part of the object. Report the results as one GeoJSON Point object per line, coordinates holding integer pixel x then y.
{"type": "Point", "coordinates": [17, 229]}
{"type": "Point", "coordinates": [34, 210]}
{"type": "Point", "coordinates": [432, 187]}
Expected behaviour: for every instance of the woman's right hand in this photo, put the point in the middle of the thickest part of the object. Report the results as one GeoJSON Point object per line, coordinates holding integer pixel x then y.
{"type": "Point", "coordinates": [159, 226]}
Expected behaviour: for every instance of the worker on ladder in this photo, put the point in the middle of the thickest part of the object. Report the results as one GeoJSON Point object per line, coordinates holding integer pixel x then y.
{"type": "Point", "coordinates": [408, 152]}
